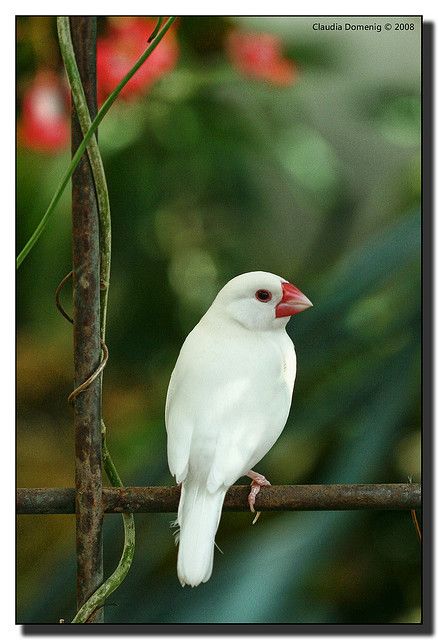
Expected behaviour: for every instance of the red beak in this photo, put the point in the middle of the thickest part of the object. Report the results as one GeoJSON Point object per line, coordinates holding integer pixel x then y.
{"type": "Point", "coordinates": [292, 302]}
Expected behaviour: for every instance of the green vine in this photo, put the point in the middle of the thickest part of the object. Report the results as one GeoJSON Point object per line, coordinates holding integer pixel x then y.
{"type": "Point", "coordinates": [74, 78]}
{"type": "Point", "coordinates": [156, 30]}
{"type": "Point", "coordinates": [77, 156]}
{"type": "Point", "coordinates": [98, 598]}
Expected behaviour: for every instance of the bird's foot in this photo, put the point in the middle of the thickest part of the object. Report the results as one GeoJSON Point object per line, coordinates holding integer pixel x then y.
{"type": "Point", "coordinates": [258, 481]}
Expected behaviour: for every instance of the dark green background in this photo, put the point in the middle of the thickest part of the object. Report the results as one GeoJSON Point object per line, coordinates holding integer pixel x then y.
{"type": "Point", "coordinates": [210, 175]}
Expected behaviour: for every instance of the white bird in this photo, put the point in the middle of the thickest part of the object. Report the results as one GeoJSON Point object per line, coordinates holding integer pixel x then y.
{"type": "Point", "coordinates": [228, 400]}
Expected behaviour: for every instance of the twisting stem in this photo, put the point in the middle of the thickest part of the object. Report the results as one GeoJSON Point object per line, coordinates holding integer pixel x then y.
{"type": "Point", "coordinates": [77, 156]}
{"type": "Point", "coordinates": [97, 599]}
{"type": "Point", "coordinates": [415, 519]}
{"type": "Point", "coordinates": [121, 571]}
{"type": "Point", "coordinates": [156, 30]}
{"type": "Point", "coordinates": [68, 56]}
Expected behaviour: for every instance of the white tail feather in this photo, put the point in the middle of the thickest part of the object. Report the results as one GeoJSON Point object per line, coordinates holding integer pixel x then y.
{"type": "Point", "coordinates": [199, 513]}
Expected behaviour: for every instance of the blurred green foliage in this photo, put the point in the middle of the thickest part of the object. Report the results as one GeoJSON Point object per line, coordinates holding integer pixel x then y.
{"type": "Point", "coordinates": [210, 175]}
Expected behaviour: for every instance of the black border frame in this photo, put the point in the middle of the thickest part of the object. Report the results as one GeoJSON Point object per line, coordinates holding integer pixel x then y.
{"type": "Point", "coordinates": [427, 263]}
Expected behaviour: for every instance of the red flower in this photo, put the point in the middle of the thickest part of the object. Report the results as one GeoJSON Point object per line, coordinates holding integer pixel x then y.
{"type": "Point", "coordinates": [259, 55]}
{"type": "Point", "coordinates": [44, 124]}
{"type": "Point", "coordinates": [120, 48]}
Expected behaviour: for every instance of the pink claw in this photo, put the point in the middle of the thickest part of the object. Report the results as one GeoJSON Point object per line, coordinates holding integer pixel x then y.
{"type": "Point", "coordinates": [258, 481]}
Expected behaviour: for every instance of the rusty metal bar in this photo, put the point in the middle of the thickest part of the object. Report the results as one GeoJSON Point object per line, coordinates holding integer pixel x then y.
{"type": "Point", "coordinates": [275, 498]}
{"type": "Point", "coordinates": [86, 301]}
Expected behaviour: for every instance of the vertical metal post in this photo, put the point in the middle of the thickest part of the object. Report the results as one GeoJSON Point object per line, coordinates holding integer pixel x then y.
{"type": "Point", "coordinates": [86, 300]}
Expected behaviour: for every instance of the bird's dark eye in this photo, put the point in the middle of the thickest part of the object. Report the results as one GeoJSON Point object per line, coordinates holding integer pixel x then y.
{"type": "Point", "coordinates": [263, 295]}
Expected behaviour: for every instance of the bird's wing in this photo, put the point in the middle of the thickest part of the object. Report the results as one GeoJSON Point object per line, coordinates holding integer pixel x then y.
{"type": "Point", "coordinates": [179, 426]}
{"type": "Point", "coordinates": [186, 400]}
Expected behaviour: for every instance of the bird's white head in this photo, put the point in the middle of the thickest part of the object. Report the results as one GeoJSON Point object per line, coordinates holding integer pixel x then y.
{"type": "Point", "coordinates": [260, 300]}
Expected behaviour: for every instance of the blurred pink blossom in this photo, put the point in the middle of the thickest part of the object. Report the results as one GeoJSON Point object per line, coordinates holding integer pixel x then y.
{"type": "Point", "coordinates": [119, 49]}
{"type": "Point", "coordinates": [44, 123]}
{"type": "Point", "coordinates": [259, 56]}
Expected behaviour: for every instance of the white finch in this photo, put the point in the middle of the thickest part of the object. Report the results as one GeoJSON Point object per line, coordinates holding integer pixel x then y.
{"type": "Point", "coordinates": [228, 401]}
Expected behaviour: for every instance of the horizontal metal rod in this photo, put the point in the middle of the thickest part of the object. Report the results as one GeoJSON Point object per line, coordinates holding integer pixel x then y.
{"type": "Point", "coordinates": [314, 497]}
